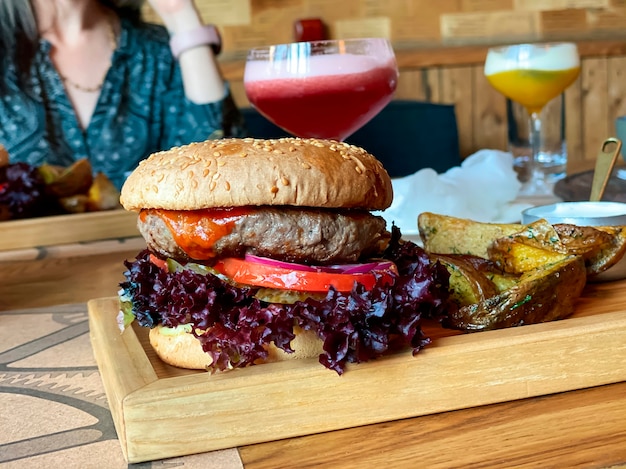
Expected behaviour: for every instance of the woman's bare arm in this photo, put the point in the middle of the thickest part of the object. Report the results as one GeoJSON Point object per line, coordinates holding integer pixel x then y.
{"type": "Point", "coordinates": [202, 79]}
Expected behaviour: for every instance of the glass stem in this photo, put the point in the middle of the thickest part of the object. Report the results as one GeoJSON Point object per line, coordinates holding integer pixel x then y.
{"type": "Point", "coordinates": [535, 144]}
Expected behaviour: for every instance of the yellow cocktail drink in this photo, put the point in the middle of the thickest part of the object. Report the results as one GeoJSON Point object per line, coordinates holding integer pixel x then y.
{"type": "Point", "coordinates": [533, 89]}
{"type": "Point", "coordinates": [532, 75]}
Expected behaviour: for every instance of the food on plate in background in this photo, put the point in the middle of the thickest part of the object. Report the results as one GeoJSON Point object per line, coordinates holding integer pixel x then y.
{"type": "Point", "coordinates": [251, 241]}
{"type": "Point", "coordinates": [64, 182]}
{"type": "Point", "coordinates": [27, 191]}
{"type": "Point", "coordinates": [22, 192]}
{"type": "Point", "coordinates": [102, 194]}
{"type": "Point", "coordinates": [505, 275]}
{"type": "Point", "coordinates": [4, 156]}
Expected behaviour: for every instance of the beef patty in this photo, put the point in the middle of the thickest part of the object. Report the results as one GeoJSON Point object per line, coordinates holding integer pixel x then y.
{"type": "Point", "coordinates": [283, 233]}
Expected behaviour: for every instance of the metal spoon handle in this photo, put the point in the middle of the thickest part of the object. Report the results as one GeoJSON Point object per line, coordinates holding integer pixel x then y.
{"type": "Point", "coordinates": [604, 167]}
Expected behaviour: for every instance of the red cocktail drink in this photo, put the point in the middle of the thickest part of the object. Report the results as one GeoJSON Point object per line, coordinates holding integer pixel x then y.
{"type": "Point", "coordinates": [326, 96]}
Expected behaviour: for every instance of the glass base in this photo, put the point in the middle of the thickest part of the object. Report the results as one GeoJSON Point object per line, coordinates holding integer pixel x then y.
{"type": "Point", "coordinates": [537, 191]}
{"type": "Point", "coordinates": [552, 165]}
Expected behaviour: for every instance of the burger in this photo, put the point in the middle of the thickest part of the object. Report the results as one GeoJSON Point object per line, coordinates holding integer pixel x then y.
{"type": "Point", "coordinates": [261, 250]}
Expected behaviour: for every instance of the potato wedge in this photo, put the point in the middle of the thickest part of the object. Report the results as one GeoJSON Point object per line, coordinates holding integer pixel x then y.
{"type": "Point", "coordinates": [563, 238]}
{"type": "Point", "coordinates": [468, 284]}
{"type": "Point", "coordinates": [605, 255]}
{"type": "Point", "coordinates": [516, 257]}
{"type": "Point", "coordinates": [50, 172]}
{"type": "Point", "coordinates": [103, 195]}
{"type": "Point", "coordinates": [543, 294]}
{"type": "Point", "coordinates": [74, 203]}
{"type": "Point", "coordinates": [75, 179]}
{"type": "Point", "coordinates": [450, 235]}
{"type": "Point", "coordinates": [538, 270]}
{"type": "Point", "coordinates": [541, 243]}
{"type": "Point", "coordinates": [586, 241]}
{"type": "Point", "coordinates": [534, 246]}
{"type": "Point", "coordinates": [518, 248]}
{"type": "Point", "coordinates": [502, 280]}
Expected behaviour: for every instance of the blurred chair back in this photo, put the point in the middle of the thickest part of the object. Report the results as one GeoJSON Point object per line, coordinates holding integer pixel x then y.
{"type": "Point", "coordinates": [405, 136]}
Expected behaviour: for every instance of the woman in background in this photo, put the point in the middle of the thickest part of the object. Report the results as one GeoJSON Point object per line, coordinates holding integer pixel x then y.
{"type": "Point", "coordinates": [89, 78]}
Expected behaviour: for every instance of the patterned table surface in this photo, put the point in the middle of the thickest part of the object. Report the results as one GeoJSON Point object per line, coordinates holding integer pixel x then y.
{"type": "Point", "coordinates": [53, 409]}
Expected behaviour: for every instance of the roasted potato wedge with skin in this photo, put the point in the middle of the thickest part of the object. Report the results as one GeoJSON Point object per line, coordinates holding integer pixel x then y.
{"type": "Point", "coordinates": [468, 284]}
{"type": "Point", "coordinates": [544, 294]}
{"type": "Point", "coordinates": [502, 280]}
{"type": "Point", "coordinates": [103, 195]}
{"type": "Point", "coordinates": [582, 240]}
{"type": "Point", "coordinates": [606, 254]}
{"type": "Point", "coordinates": [541, 243]}
{"type": "Point", "coordinates": [518, 248]}
{"type": "Point", "coordinates": [564, 238]}
{"type": "Point", "coordinates": [74, 203]}
{"type": "Point", "coordinates": [75, 179]}
{"type": "Point", "coordinates": [540, 269]}
{"type": "Point", "coordinates": [450, 235]}
{"type": "Point", "coordinates": [513, 256]}
{"type": "Point", "coordinates": [50, 172]}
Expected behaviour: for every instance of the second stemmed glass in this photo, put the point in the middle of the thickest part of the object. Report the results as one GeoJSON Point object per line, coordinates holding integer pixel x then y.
{"type": "Point", "coordinates": [532, 75]}
{"type": "Point", "coordinates": [322, 89]}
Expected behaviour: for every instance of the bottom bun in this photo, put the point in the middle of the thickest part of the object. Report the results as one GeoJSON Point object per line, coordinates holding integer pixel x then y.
{"type": "Point", "coordinates": [182, 349]}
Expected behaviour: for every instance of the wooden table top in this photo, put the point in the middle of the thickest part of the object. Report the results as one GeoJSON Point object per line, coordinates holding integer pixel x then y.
{"type": "Point", "coordinates": [583, 428]}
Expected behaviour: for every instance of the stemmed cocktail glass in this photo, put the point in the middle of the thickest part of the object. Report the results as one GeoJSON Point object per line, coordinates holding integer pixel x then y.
{"type": "Point", "coordinates": [532, 75]}
{"type": "Point", "coordinates": [322, 89]}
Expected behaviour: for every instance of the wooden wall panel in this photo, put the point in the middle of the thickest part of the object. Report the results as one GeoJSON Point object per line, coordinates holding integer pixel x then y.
{"type": "Point", "coordinates": [457, 88]}
{"type": "Point", "coordinates": [489, 114]}
{"type": "Point", "coordinates": [616, 90]}
{"type": "Point", "coordinates": [574, 137]}
{"type": "Point", "coordinates": [594, 108]}
{"type": "Point", "coordinates": [420, 84]}
{"type": "Point", "coordinates": [246, 23]}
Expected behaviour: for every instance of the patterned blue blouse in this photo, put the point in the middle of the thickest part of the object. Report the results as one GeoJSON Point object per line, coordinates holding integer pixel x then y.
{"type": "Point", "coordinates": [142, 108]}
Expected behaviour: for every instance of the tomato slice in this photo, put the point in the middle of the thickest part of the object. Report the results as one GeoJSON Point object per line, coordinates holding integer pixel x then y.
{"type": "Point", "coordinates": [278, 277]}
{"type": "Point", "coordinates": [158, 262]}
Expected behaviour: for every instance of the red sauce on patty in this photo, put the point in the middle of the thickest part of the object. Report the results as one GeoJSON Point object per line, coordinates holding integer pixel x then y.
{"type": "Point", "coordinates": [197, 231]}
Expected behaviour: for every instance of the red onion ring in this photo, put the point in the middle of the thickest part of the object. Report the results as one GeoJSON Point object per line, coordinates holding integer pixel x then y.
{"type": "Point", "coordinates": [337, 268]}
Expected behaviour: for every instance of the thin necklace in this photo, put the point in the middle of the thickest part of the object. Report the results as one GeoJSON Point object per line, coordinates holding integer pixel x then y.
{"type": "Point", "coordinates": [98, 87]}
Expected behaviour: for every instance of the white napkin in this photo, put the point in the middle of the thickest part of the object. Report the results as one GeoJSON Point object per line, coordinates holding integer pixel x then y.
{"type": "Point", "coordinates": [483, 188]}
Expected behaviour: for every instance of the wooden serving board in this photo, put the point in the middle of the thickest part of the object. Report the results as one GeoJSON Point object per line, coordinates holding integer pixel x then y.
{"type": "Point", "coordinates": [65, 229]}
{"type": "Point", "coordinates": [161, 411]}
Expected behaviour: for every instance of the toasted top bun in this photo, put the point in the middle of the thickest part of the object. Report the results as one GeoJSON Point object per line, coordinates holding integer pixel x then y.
{"type": "Point", "coordinates": [244, 172]}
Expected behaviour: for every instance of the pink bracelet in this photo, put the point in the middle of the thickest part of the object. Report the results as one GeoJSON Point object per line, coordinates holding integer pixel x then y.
{"type": "Point", "coordinates": [206, 35]}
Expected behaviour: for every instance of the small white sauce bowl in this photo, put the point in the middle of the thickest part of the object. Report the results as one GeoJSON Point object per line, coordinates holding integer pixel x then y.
{"type": "Point", "coordinates": [584, 214]}
{"type": "Point", "coordinates": [578, 213]}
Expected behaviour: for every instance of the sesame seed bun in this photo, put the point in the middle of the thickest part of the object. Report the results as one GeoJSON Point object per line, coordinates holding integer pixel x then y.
{"type": "Point", "coordinates": [183, 350]}
{"type": "Point", "coordinates": [245, 172]}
